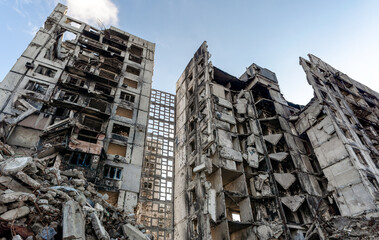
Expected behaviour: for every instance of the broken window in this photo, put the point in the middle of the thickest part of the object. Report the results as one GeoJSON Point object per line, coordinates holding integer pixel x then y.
{"type": "Point", "coordinates": [133, 70]}
{"type": "Point", "coordinates": [98, 104]}
{"type": "Point", "coordinates": [107, 74]}
{"type": "Point", "coordinates": [137, 51]}
{"type": "Point", "coordinates": [79, 82]}
{"type": "Point", "coordinates": [128, 83]}
{"type": "Point", "coordinates": [127, 97]}
{"type": "Point", "coordinates": [104, 89]}
{"type": "Point", "coordinates": [124, 112]}
{"type": "Point", "coordinates": [37, 87]}
{"type": "Point", "coordinates": [68, 97]}
{"type": "Point", "coordinates": [93, 123]}
{"type": "Point", "coordinates": [121, 130]}
{"type": "Point", "coordinates": [87, 136]}
{"type": "Point", "coordinates": [79, 159]}
{"type": "Point", "coordinates": [112, 172]}
{"type": "Point", "coordinates": [46, 71]}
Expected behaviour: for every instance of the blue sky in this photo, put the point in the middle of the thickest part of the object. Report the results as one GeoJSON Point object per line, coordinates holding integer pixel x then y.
{"type": "Point", "coordinates": [271, 33]}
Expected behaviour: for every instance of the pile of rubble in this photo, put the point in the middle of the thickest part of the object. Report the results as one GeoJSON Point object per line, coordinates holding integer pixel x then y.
{"type": "Point", "coordinates": [38, 201]}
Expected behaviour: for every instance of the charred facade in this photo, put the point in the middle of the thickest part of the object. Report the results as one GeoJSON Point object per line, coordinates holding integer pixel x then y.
{"type": "Point", "coordinates": [255, 166]}
{"type": "Point", "coordinates": [80, 97]}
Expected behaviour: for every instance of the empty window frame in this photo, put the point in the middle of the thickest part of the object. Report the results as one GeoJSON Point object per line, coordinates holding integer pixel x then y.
{"type": "Point", "coordinates": [79, 82]}
{"type": "Point", "coordinates": [107, 74]}
{"type": "Point", "coordinates": [121, 130]}
{"type": "Point", "coordinates": [127, 97]}
{"type": "Point", "coordinates": [128, 83]}
{"type": "Point", "coordinates": [72, 23]}
{"type": "Point", "coordinates": [79, 159]}
{"type": "Point", "coordinates": [136, 51]}
{"type": "Point", "coordinates": [37, 87]}
{"type": "Point", "coordinates": [133, 70]}
{"type": "Point", "coordinates": [98, 104]}
{"type": "Point", "coordinates": [112, 172]}
{"type": "Point", "coordinates": [117, 149]}
{"type": "Point", "coordinates": [49, 72]}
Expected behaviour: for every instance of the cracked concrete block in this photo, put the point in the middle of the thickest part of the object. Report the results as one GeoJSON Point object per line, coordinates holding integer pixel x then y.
{"type": "Point", "coordinates": [98, 227]}
{"type": "Point", "coordinates": [15, 213]}
{"type": "Point", "coordinates": [293, 202]}
{"type": "Point", "coordinates": [8, 197]}
{"type": "Point", "coordinates": [15, 165]}
{"type": "Point", "coordinates": [285, 179]}
{"type": "Point", "coordinates": [252, 157]}
{"type": "Point", "coordinates": [25, 178]}
{"type": "Point", "coordinates": [229, 153]}
{"type": "Point", "coordinates": [133, 233]}
{"type": "Point", "coordinates": [273, 138]}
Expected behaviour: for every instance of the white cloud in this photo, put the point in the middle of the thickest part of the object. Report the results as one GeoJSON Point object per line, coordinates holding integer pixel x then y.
{"type": "Point", "coordinates": [94, 12]}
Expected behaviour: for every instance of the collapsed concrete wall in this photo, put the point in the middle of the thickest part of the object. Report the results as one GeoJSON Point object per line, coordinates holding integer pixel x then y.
{"type": "Point", "coordinates": [250, 165]}
{"type": "Point", "coordinates": [80, 96]}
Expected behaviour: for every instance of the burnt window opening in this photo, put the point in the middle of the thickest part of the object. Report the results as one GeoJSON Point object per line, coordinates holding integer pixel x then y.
{"type": "Point", "coordinates": [112, 172]}
{"type": "Point", "coordinates": [192, 107]}
{"type": "Point", "coordinates": [192, 146]}
{"type": "Point", "coordinates": [324, 95]}
{"type": "Point", "coordinates": [190, 91]}
{"type": "Point", "coordinates": [317, 80]}
{"type": "Point", "coordinates": [49, 72]}
{"type": "Point", "coordinates": [61, 112]}
{"type": "Point", "coordinates": [236, 216]}
{"type": "Point", "coordinates": [98, 104]}
{"type": "Point", "coordinates": [133, 70]}
{"type": "Point", "coordinates": [79, 159]}
{"type": "Point", "coordinates": [121, 130]}
{"type": "Point", "coordinates": [37, 87]}
{"type": "Point", "coordinates": [128, 83]}
{"type": "Point", "coordinates": [79, 82]}
{"type": "Point", "coordinates": [127, 97]}
{"type": "Point", "coordinates": [87, 136]}
{"type": "Point", "coordinates": [93, 123]}
{"type": "Point", "coordinates": [359, 156]}
{"type": "Point", "coordinates": [103, 89]}
{"type": "Point", "coordinates": [137, 51]}
{"type": "Point", "coordinates": [68, 97]}
{"type": "Point", "coordinates": [106, 74]}
{"type": "Point", "coordinates": [192, 125]}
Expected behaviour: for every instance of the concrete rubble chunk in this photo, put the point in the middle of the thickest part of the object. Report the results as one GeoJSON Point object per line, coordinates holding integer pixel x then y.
{"type": "Point", "coordinates": [231, 154]}
{"type": "Point", "coordinates": [273, 138]}
{"type": "Point", "coordinates": [132, 232]}
{"type": "Point", "coordinates": [280, 156]}
{"type": "Point", "coordinates": [293, 202]}
{"type": "Point", "coordinates": [14, 165]}
{"type": "Point", "coordinates": [199, 168]}
{"type": "Point", "coordinates": [73, 221]}
{"type": "Point", "coordinates": [285, 179]}
{"type": "Point", "coordinates": [25, 178]}
{"type": "Point", "coordinates": [252, 157]}
{"type": "Point", "coordinates": [11, 196]}
{"type": "Point", "coordinates": [100, 231]}
{"type": "Point", "coordinates": [15, 213]}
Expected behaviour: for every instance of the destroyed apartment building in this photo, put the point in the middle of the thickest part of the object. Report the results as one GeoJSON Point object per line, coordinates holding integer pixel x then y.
{"type": "Point", "coordinates": [90, 151]}
{"type": "Point", "coordinates": [250, 165]}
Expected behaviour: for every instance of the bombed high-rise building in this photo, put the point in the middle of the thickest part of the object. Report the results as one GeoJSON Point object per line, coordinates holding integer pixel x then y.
{"type": "Point", "coordinates": [88, 148]}
{"type": "Point", "coordinates": [251, 165]}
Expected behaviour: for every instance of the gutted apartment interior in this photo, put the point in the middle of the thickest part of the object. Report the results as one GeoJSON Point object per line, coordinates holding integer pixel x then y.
{"type": "Point", "coordinates": [250, 165]}
{"type": "Point", "coordinates": [79, 96]}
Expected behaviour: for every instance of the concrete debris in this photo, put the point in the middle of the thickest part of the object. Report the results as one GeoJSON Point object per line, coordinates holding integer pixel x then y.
{"type": "Point", "coordinates": [293, 202]}
{"type": "Point", "coordinates": [273, 138]}
{"type": "Point", "coordinates": [57, 211]}
{"type": "Point", "coordinates": [133, 233]}
{"type": "Point", "coordinates": [285, 179]}
{"type": "Point", "coordinates": [280, 156]}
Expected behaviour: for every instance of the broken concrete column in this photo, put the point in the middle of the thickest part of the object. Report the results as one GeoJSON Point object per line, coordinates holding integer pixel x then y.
{"type": "Point", "coordinates": [73, 221]}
